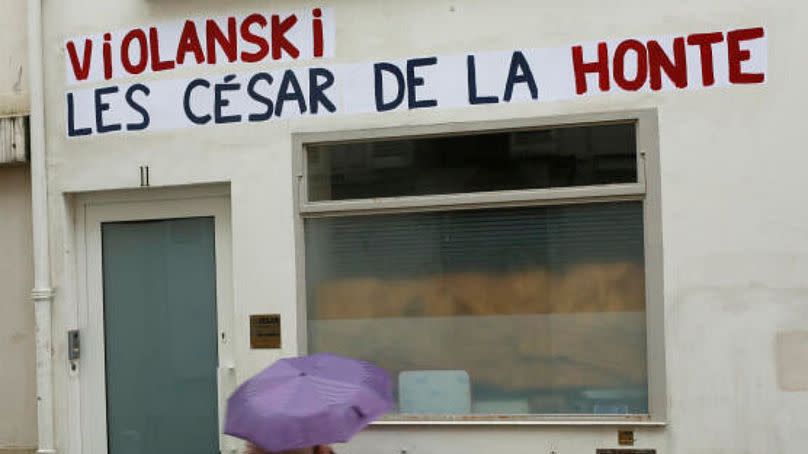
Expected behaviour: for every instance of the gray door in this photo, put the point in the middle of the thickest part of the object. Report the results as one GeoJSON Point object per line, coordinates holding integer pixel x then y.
{"type": "Point", "coordinates": [160, 336]}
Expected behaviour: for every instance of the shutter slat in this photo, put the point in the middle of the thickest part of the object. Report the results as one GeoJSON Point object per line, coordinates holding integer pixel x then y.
{"type": "Point", "coordinates": [467, 241]}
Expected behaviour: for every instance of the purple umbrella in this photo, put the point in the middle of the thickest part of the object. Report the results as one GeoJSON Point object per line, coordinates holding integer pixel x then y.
{"type": "Point", "coordinates": [308, 401]}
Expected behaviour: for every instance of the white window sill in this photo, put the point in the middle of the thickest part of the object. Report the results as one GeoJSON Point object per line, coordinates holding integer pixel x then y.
{"type": "Point", "coordinates": [565, 421]}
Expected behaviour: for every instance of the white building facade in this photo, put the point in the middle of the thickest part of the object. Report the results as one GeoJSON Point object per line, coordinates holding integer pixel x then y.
{"type": "Point", "coordinates": [17, 352]}
{"type": "Point", "coordinates": [550, 222]}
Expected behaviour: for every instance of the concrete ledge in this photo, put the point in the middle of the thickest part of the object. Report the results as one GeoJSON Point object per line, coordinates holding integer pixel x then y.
{"type": "Point", "coordinates": [15, 104]}
{"type": "Point", "coordinates": [31, 450]}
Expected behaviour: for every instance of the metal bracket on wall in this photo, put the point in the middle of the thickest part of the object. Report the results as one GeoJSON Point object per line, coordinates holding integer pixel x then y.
{"type": "Point", "coordinates": [73, 347]}
{"type": "Point", "coordinates": [625, 451]}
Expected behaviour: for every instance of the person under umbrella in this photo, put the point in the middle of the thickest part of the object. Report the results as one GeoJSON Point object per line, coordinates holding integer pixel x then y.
{"type": "Point", "coordinates": [303, 404]}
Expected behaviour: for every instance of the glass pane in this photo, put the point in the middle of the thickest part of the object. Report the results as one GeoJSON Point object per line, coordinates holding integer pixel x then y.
{"type": "Point", "coordinates": [516, 311]}
{"type": "Point", "coordinates": [160, 335]}
{"type": "Point", "coordinates": [542, 158]}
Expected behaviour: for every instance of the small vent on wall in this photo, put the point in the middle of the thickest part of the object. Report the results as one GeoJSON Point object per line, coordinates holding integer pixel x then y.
{"type": "Point", "coordinates": [13, 144]}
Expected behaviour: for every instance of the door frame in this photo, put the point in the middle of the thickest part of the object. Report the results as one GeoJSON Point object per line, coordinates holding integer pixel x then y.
{"type": "Point", "coordinates": [120, 206]}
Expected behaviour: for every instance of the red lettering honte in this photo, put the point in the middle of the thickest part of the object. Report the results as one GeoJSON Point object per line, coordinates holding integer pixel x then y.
{"type": "Point", "coordinates": [601, 67]}
{"type": "Point", "coordinates": [736, 55]}
{"type": "Point", "coordinates": [705, 42]}
{"type": "Point", "coordinates": [620, 65]}
{"type": "Point", "coordinates": [658, 61]}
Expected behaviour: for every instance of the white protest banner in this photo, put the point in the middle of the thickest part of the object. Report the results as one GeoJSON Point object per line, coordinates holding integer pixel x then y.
{"type": "Point", "coordinates": [700, 60]}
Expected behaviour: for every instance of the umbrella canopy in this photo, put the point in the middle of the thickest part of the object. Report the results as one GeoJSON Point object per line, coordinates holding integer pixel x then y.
{"type": "Point", "coordinates": [307, 401]}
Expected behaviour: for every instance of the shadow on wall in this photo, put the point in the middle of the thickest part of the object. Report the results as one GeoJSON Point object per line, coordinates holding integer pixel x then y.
{"type": "Point", "coordinates": [17, 350]}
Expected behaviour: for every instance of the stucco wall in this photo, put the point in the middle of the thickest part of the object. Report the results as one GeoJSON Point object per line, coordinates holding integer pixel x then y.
{"type": "Point", "coordinates": [733, 188]}
{"type": "Point", "coordinates": [13, 59]}
{"type": "Point", "coordinates": [17, 379]}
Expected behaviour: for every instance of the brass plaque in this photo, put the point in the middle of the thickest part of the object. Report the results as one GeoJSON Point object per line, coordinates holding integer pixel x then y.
{"type": "Point", "coordinates": [265, 331]}
{"type": "Point", "coordinates": [625, 437]}
{"type": "Point", "coordinates": [625, 451]}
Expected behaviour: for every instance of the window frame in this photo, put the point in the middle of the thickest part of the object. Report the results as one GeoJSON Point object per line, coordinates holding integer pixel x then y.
{"type": "Point", "coordinates": [646, 190]}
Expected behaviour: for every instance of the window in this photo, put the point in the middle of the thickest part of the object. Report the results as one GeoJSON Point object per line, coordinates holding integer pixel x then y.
{"type": "Point", "coordinates": [491, 272]}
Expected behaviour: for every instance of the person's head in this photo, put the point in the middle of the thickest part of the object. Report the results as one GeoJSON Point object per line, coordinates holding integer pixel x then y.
{"type": "Point", "coordinates": [321, 449]}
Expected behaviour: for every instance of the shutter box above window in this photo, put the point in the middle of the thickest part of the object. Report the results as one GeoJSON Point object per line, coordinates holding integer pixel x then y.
{"type": "Point", "coordinates": [13, 144]}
